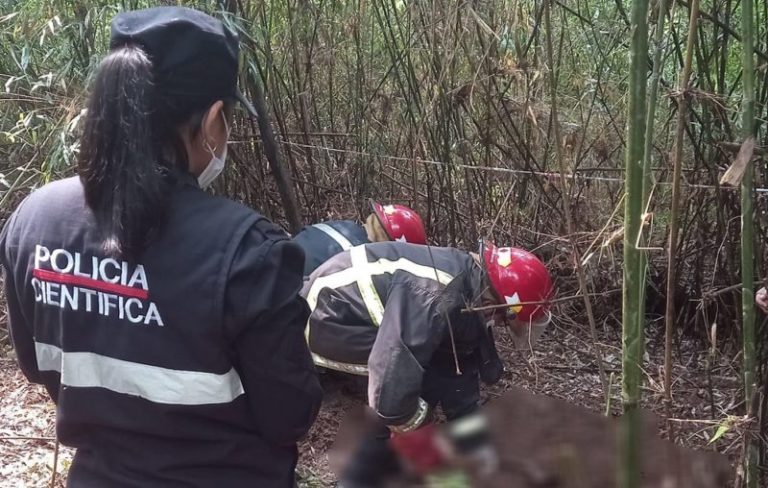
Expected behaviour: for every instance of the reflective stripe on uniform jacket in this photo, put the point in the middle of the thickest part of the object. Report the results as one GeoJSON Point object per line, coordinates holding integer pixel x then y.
{"type": "Point", "coordinates": [187, 367]}
{"type": "Point", "coordinates": [382, 309]}
{"type": "Point", "coordinates": [321, 242]}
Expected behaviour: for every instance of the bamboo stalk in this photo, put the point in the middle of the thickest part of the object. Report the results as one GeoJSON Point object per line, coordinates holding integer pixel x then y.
{"type": "Point", "coordinates": [271, 150]}
{"type": "Point", "coordinates": [304, 110]}
{"type": "Point", "coordinates": [281, 174]}
{"type": "Point", "coordinates": [747, 239]}
{"type": "Point", "coordinates": [682, 114]}
{"type": "Point", "coordinates": [633, 291]}
{"type": "Point", "coordinates": [564, 181]}
{"type": "Point", "coordinates": [653, 96]}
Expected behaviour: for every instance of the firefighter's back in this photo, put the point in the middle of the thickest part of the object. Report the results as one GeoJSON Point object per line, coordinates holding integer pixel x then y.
{"type": "Point", "coordinates": [348, 294]}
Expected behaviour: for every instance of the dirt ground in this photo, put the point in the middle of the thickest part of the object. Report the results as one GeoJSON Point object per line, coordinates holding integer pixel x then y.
{"type": "Point", "coordinates": [27, 442]}
{"type": "Point", "coordinates": [545, 442]}
{"type": "Point", "coordinates": [563, 366]}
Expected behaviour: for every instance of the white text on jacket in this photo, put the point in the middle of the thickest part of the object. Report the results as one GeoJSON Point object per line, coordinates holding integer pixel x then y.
{"type": "Point", "coordinates": [111, 288]}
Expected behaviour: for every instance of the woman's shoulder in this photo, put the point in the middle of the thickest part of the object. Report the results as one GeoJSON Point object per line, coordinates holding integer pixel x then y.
{"type": "Point", "coordinates": [195, 205]}
{"type": "Point", "coordinates": [63, 196]}
{"type": "Point", "coordinates": [65, 187]}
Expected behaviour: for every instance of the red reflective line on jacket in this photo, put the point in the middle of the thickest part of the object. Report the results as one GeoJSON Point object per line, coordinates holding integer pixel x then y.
{"type": "Point", "coordinates": [90, 283]}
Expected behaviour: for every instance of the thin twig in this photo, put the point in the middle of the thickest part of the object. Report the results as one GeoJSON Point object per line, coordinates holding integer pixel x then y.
{"type": "Point", "coordinates": [712, 294]}
{"type": "Point", "coordinates": [543, 302]}
{"type": "Point", "coordinates": [55, 463]}
{"type": "Point", "coordinates": [26, 438]}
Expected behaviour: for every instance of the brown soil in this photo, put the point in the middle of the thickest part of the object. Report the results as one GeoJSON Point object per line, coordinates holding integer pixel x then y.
{"type": "Point", "coordinates": [562, 367]}
{"type": "Point", "coordinates": [27, 433]}
{"type": "Point", "coordinates": [544, 442]}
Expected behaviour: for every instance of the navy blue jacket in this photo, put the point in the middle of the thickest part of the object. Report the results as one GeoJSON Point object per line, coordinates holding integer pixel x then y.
{"type": "Point", "coordinates": [391, 310]}
{"type": "Point", "coordinates": [321, 242]}
{"type": "Point", "coordinates": [185, 368]}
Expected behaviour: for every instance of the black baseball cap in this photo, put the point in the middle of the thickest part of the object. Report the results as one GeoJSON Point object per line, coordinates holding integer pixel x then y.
{"type": "Point", "coordinates": [193, 54]}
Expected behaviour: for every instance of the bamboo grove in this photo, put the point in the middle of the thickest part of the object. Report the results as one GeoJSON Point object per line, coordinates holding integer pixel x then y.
{"type": "Point", "coordinates": [566, 127]}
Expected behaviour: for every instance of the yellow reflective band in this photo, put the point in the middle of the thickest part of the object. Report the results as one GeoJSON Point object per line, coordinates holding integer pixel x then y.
{"type": "Point", "coordinates": [335, 280]}
{"type": "Point", "coordinates": [362, 271]}
{"type": "Point", "coordinates": [414, 422]}
{"type": "Point", "coordinates": [371, 299]}
{"type": "Point", "coordinates": [356, 369]}
{"type": "Point", "coordinates": [384, 266]}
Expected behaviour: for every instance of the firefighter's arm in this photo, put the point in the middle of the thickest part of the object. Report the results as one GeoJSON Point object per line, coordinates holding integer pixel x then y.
{"type": "Point", "coordinates": [19, 328]}
{"type": "Point", "coordinates": [410, 332]}
{"type": "Point", "coordinates": [265, 319]}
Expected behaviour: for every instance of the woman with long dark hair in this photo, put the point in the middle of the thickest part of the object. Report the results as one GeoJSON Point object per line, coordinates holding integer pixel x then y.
{"type": "Point", "coordinates": [164, 322]}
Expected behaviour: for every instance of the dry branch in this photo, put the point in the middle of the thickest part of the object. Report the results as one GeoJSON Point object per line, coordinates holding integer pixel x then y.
{"type": "Point", "coordinates": [734, 174]}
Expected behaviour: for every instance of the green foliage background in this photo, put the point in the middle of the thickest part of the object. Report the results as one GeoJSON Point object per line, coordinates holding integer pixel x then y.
{"type": "Point", "coordinates": [438, 104]}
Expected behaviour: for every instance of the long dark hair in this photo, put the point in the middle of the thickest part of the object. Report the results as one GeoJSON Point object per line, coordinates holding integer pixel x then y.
{"type": "Point", "coordinates": [129, 149]}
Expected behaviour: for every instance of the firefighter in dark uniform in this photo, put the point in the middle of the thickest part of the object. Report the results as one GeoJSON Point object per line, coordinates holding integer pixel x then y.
{"type": "Point", "coordinates": [322, 241]}
{"type": "Point", "coordinates": [166, 323]}
{"type": "Point", "coordinates": [393, 312]}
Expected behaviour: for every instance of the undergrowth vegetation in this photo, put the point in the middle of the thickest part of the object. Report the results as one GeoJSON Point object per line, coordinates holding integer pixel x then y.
{"type": "Point", "coordinates": [447, 106]}
{"type": "Point", "coordinates": [444, 106]}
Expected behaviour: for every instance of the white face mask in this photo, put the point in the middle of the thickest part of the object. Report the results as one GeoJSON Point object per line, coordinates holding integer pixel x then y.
{"type": "Point", "coordinates": [215, 166]}
{"type": "Point", "coordinates": [213, 170]}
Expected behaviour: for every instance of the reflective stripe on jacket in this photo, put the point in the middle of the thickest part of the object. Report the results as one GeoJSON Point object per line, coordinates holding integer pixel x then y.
{"type": "Point", "coordinates": [321, 242]}
{"type": "Point", "coordinates": [187, 367]}
{"type": "Point", "coordinates": [383, 309]}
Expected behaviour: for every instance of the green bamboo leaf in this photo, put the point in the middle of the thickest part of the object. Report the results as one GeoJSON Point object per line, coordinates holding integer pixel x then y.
{"type": "Point", "coordinates": [721, 430]}
{"type": "Point", "coordinates": [25, 55]}
{"type": "Point", "coordinates": [448, 479]}
{"type": "Point", "coordinates": [5, 18]}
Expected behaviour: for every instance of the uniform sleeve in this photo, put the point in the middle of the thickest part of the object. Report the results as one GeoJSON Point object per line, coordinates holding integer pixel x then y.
{"type": "Point", "coordinates": [265, 319]}
{"type": "Point", "coordinates": [411, 330]}
{"type": "Point", "coordinates": [19, 327]}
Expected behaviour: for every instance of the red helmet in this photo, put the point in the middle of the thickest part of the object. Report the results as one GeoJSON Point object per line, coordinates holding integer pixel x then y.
{"type": "Point", "coordinates": [518, 276]}
{"type": "Point", "coordinates": [401, 223]}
